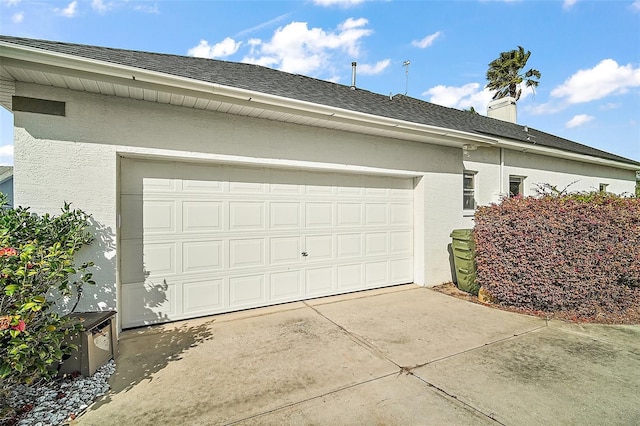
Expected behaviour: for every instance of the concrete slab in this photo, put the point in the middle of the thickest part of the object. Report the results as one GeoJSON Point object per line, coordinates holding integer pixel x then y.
{"type": "Point", "coordinates": [419, 325]}
{"type": "Point", "coordinates": [558, 375]}
{"type": "Point", "coordinates": [219, 373]}
{"type": "Point", "coordinates": [398, 399]}
{"type": "Point", "coordinates": [404, 355]}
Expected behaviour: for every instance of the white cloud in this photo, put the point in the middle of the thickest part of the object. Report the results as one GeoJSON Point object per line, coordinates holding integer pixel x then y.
{"type": "Point", "coordinates": [377, 68]}
{"type": "Point", "coordinates": [579, 120]}
{"type": "Point", "coordinates": [568, 4]}
{"type": "Point", "coordinates": [70, 11]}
{"type": "Point", "coordinates": [604, 79]}
{"type": "Point", "coordinates": [609, 106]}
{"type": "Point", "coordinates": [11, 2]}
{"type": "Point", "coordinates": [341, 3]}
{"type": "Point", "coordinates": [635, 6]}
{"type": "Point", "coordinates": [263, 25]}
{"type": "Point", "coordinates": [18, 18]}
{"type": "Point", "coordinates": [99, 6]}
{"type": "Point", "coordinates": [296, 48]}
{"type": "Point", "coordinates": [427, 41]}
{"type": "Point", "coordinates": [462, 97]}
{"type": "Point", "coordinates": [226, 47]}
{"type": "Point", "coordinates": [6, 155]}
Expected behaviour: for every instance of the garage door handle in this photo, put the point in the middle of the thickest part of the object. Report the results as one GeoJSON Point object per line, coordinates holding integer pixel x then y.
{"type": "Point", "coordinates": [305, 254]}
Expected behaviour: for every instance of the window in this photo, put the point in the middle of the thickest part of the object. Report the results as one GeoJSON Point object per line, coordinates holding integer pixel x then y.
{"type": "Point", "coordinates": [516, 186]}
{"type": "Point", "coordinates": [603, 187]}
{"type": "Point", "coordinates": [469, 190]}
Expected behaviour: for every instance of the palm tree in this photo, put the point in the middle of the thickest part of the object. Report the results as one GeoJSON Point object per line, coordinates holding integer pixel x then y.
{"type": "Point", "coordinates": [505, 74]}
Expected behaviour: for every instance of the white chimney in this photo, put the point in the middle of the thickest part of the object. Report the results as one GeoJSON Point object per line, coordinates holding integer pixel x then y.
{"type": "Point", "coordinates": [353, 75]}
{"type": "Point", "coordinates": [503, 109]}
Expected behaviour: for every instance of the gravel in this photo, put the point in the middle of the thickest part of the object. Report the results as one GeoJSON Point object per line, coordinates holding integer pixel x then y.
{"type": "Point", "coordinates": [59, 401]}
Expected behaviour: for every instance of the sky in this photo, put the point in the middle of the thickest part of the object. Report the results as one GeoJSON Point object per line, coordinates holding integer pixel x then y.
{"type": "Point", "coordinates": [588, 52]}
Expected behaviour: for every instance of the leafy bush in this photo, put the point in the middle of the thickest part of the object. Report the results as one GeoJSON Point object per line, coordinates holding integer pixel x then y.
{"type": "Point", "coordinates": [576, 253]}
{"type": "Point", "coordinates": [38, 275]}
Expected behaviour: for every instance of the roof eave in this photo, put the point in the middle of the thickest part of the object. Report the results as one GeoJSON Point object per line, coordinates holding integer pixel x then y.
{"type": "Point", "coordinates": [46, 60]}
{"type": "Point", "coordinates": [567, 155]}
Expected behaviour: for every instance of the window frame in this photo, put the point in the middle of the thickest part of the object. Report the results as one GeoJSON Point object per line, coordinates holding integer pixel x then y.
{"type": "Point", "coordinates": [469, 192]}
{"type": "Point", "coordinates": [520, 179]}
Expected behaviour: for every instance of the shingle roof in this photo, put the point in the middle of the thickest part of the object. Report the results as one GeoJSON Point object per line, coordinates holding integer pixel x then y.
{"type": "Point", "coordinates": [266, 80]}
{"type": "Point", "coordinates": [5, 173]}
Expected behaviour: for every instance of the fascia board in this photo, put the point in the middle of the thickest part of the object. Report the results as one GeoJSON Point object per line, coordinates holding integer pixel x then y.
{"type": "Point", "coordinates": [121, 74]}
{"type": "Point", "coordinates": [558, 153]}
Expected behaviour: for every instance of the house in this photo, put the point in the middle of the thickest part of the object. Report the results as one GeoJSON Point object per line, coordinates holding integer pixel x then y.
{"type": "Point", "coordinates": [218, 186]}
{"type": "Point", "coordinates": [6, 183]}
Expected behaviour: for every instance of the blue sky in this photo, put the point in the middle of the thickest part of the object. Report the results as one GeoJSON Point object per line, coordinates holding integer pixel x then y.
{"type": "Point", "coordinates": [587, 51]}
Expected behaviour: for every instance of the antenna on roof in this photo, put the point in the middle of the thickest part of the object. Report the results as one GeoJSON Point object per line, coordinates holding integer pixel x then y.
{"type": "Point", "coordinates": [406, 64]}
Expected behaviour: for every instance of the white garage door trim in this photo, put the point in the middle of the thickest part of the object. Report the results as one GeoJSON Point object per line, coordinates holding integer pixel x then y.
{"type": "Point", "coordinates": [198, 240]}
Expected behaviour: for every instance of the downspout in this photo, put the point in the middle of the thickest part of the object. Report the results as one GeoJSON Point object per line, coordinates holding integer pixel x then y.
{"type": "Point", "coordinates": [501, 172]}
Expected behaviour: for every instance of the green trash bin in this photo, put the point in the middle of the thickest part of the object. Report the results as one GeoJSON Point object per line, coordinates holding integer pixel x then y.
{"type": "Point", "coordinates": [463, 248]}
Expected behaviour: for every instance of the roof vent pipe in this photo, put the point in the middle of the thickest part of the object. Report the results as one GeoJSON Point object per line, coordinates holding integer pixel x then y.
{"type": "Point", "coordinates": [353, 75]}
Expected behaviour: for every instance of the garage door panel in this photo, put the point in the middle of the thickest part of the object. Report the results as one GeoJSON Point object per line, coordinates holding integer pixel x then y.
{"type": "Point", "coordinates": [319, 215]}
{"type": "Point", "coordinates": [159, 216]}
{"type": "Point", "coordinates": [376, 273]}
{"type": "Point", "coordinates": [160, 259]}
{"type": "Point", "coordinates": [132, 266]}
{"type": "Point", "coordinates": [246, 215]}
{"type": "Point", "coordinates": [401, 270]}
{"type": "Point", "coordinates": [319, 281]}
{"type": "Point", "coordinates": [349, 215]}
{"type": "Point", "coordinates": [246, 181]}
{"type": "Point", "coordinates": [349, 277]}
{"type": "Point", "coordinates": [202, 256]}
{"type": "Point", "coordinates": [197, 240]}
{"type": "Point", "coordinates": [375, 214]}
{"type": "Point", "coordinates": [202, 216]}
{"type": "Point", "coordinates": [285, 215]}
{"type": "Point", "coordinates": [285, 250]}
{"type": "Point", "coordinates": [376, 244]}
{"type": "Point", "coordinates": [319, 248]}
{"type": "Point", "coordinates": [246, 291]}
{"type": "Point", "coordinates": [202, 296]}
{"type": "Point", "coordinates": [401, 242]}
{"type": "Point", "coordinates": [401, 214]}
{"type": "Point", "coordinates": [146, 303]}
{"type": "Point", "coordinates": [286, 285]}
{"type": "Point", "coordinates": [246, 253]}
{"type": "Point", "coordinates": [349, 245]}
{"type": "Point", "coordinates": [135, 173]}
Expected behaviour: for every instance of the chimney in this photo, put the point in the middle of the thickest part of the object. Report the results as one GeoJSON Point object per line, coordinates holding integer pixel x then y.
{"type": "Point", "coordinates": [353, 75]}
{"type": "Point", "coordinates": [503, 109]}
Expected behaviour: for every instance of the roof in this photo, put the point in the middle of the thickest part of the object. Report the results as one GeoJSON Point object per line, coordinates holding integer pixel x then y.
{"type": "Point", "coordinates": [265, 80]}
{"type": "Point", "coordinates": [6, 172]}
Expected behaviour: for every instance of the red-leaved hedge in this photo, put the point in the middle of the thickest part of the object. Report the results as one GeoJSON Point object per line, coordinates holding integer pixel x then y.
{"type": "Point", "coordinates": [577, 253]}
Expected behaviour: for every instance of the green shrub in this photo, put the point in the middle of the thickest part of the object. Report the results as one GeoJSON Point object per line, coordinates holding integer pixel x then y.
{"type": "Point", "coordinates": [37, 277]}
{"type": "Point", "coordinates": [574, 253]}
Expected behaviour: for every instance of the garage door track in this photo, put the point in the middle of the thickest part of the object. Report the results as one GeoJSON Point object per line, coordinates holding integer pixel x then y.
{"type": "Point", "coordinates": [401, 355]}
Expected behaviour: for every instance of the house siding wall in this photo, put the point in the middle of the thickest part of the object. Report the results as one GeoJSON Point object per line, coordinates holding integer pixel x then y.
{"type": "Point", "coordinates": [75, 159]}
{"type": "Point", "coordinates": [537, 170]}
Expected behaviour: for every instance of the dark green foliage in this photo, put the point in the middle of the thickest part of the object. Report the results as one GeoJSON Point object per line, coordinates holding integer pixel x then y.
{"type": "Point", "coordinates": [577, 253]}
{"type": "Point", "coordinates": [505, 74]}
{"type": "Point", "coordinates": [37, 272]}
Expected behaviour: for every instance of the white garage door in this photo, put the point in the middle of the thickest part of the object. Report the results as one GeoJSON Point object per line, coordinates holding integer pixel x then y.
{"type": "Point", "coordinates": [201, 239]}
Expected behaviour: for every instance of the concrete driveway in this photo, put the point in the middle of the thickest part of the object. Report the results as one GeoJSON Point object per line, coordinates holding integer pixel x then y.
{"type": "Point", "coordinates": [402, 355]}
